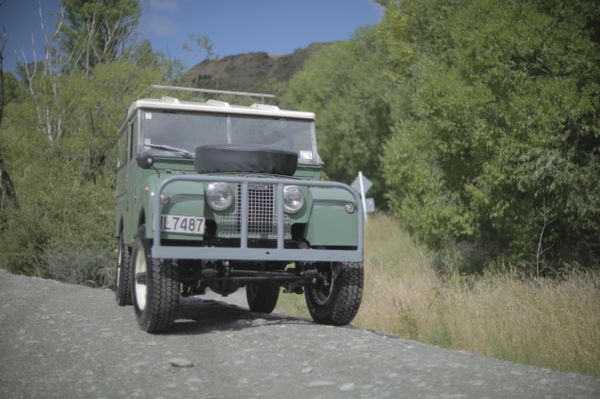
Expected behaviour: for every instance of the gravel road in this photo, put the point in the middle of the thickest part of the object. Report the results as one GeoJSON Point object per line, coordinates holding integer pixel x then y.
{"type": "Point", "coordinates": [68, 341]}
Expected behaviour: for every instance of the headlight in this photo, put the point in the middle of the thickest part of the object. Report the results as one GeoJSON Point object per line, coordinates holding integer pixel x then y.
{"type": "Point", "coordinates": [219, 196]}
{"type": "Point", "coordinates": [293, 200]}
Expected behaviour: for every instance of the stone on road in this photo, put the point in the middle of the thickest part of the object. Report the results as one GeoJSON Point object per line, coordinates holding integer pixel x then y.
{"type": "Point", "coordinates": [181, 362]}
{"type": "Point", "coordinates": [68, 341]}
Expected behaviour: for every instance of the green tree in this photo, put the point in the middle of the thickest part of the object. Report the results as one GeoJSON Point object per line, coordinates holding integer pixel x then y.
{"type": "Point", "coordinates": [346, 85]}
{"type": "Point", "coordinates": [58, 136]}
{"type": "Point", "coordinates": [96, 31]}
{"type": "Point", "coordinates": [142, 55]}
{"type": "Point", "coordinates": [501, 142]}
{"type": "Point", "coordinates": [66, 185]}
{"type": "Point", "coordinates": [477, 119]}
{"type": "Point", "coordinates": [200, 44]}
{"type": "Point", "coordinates": [8, 197]}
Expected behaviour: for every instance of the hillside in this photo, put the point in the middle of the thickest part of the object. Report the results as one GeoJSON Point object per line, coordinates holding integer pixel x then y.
{"type": "Point", "coordinates": [251, 71]}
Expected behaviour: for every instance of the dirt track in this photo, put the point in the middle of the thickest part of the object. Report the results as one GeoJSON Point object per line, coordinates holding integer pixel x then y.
{"type": "Point", "coordinates": [59, 340]}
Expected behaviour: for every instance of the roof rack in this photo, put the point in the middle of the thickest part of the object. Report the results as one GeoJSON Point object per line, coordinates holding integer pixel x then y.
{"type": "Point", "coordinates": [211, 91]}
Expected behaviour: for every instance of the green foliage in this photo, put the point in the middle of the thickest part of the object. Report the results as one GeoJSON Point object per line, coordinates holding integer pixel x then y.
{"type": "Point", "coordinates": [142, 55]}
{"type": "Point", "coordinates": [504, 120]}
{"type": "Point", "coordinates": [477, 119]}
{"type": "Point", "coordinates": [343, 86]}
{"type": "Point", "coordinates": [13, 91]}
{"type": "Point", "coordinates": [65, 185]}
{"type": "Point", "coordinates": [201, 44]}
{"type": "Point", "coordinates": [96, 31]}
{"type": "Point", "coordinates": [57, 139]}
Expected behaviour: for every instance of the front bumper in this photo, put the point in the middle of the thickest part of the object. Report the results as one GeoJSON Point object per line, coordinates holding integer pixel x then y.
{"type": "Point", "coordinates": [243, 252]}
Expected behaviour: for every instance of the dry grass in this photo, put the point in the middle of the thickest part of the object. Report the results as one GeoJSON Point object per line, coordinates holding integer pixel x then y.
{"type": "Point", "coordinates": [546, 322]}
{"type": "Point", "coordinates": [550, 323]}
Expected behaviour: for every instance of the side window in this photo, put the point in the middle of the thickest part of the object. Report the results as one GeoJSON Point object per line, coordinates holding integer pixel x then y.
{"type": "Point", "coordinates": [122, 149]}
{"type": "Point", "coordinates": [132, 141]}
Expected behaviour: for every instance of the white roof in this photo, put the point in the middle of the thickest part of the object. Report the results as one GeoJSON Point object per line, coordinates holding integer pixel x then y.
{"type": "Point", "coordinates": [171, 103]}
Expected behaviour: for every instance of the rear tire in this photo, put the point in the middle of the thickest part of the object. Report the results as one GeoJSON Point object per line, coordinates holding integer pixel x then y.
{"type": "Point", "coordinates": [335, 299]}
{"type": "Point", "coordinates": [154, 287]}
{"type": "Point", "coordinates": [123, 274]}
{"type": "Point", "coordinates": [262, 296]}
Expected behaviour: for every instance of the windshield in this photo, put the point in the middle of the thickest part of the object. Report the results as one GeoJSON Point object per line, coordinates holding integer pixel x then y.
{"type": "Point", "coordinates": [173, 133]}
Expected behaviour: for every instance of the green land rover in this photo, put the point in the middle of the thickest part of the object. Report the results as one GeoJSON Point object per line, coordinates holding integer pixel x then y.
{"type": "Point", "coordinates": [220, 196]}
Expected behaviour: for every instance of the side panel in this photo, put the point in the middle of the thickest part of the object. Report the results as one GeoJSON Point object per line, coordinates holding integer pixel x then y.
{"type": "Point", "coordinates": [137, 202]}
{"type": "Point", "coordinates": [329, 223]}
{"type": "Point", "coordinates": [122, 170]}
{"type": "Point", "coordinates": [185, 199]}
{"type": "Point", "coordinates": [133, 183]}
{"type": "Point", "coordinates": [308, 172]}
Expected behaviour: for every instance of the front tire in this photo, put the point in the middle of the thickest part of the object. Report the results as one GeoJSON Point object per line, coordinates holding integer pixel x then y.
{"type": "Point", "coordinates": [123, 274]}
{"type": "Point", "coordinates": [262, 296]}
{"type": "Point", "coordinates": [335, 297]}
{"type": "Point", "coordinates": [154, 287]}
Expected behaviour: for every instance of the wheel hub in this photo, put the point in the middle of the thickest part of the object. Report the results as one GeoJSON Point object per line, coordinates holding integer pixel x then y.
{"type": "Point", "coordinates": [321, 289]}
{"type": "Point", "coordinates": [140, 283]}
{"type": "Point", "coordinates": [119, 263]}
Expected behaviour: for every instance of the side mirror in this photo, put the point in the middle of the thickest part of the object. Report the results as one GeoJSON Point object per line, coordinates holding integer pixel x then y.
{"type": "Point", "coordinates": [145, 161]}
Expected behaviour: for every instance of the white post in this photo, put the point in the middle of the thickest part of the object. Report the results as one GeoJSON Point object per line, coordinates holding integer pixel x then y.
{"type": "Point", "coordinates": [362, 194]}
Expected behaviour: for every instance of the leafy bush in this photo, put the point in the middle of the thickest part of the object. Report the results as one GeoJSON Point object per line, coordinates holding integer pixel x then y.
{"type": "Point", "coordinates": [478, 121]}
{"type": "Point", "coordinates": [58, 139]}
{"type": "Point", "coordinates": [501, 145]}
{"type": "Point", "coordinates": [65, 181]}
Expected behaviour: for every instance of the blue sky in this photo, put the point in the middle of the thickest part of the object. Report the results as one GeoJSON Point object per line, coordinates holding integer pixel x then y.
{"type": "Point", "coordinates": [233, 26]}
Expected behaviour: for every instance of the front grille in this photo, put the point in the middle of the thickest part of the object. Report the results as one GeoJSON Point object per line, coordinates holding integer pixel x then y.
{"type": "Point", "coordinates": [260, 209]}
{"type": "Point", "coordinates": [262, 218]}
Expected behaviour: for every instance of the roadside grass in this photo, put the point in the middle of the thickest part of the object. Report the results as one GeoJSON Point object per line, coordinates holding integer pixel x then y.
{"type": "Point", "coordinates": [547, 322]}
{"type": "Point", "coordinates": [84, 266]}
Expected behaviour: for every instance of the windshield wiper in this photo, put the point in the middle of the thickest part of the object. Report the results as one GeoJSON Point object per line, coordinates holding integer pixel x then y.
{"type": "Point", "coordinates": [170, 148]}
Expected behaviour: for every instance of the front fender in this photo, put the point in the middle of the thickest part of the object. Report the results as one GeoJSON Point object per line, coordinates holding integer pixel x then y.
{"type": "Point", "coordinates": [329, 223]}
{"type": "Point", "coordinates": [185, 198]}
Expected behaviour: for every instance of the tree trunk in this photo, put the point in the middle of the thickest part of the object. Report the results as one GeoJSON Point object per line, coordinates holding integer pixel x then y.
{"type": "Point", "coordinates": [7, 191]}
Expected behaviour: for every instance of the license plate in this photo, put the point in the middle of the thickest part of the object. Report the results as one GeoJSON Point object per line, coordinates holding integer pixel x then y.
{"type": "Point", "coordinates": [182, 224]}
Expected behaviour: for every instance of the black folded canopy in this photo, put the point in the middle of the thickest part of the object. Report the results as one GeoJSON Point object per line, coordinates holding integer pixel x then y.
{"type": "Point", "coordinates": [245, 159]}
